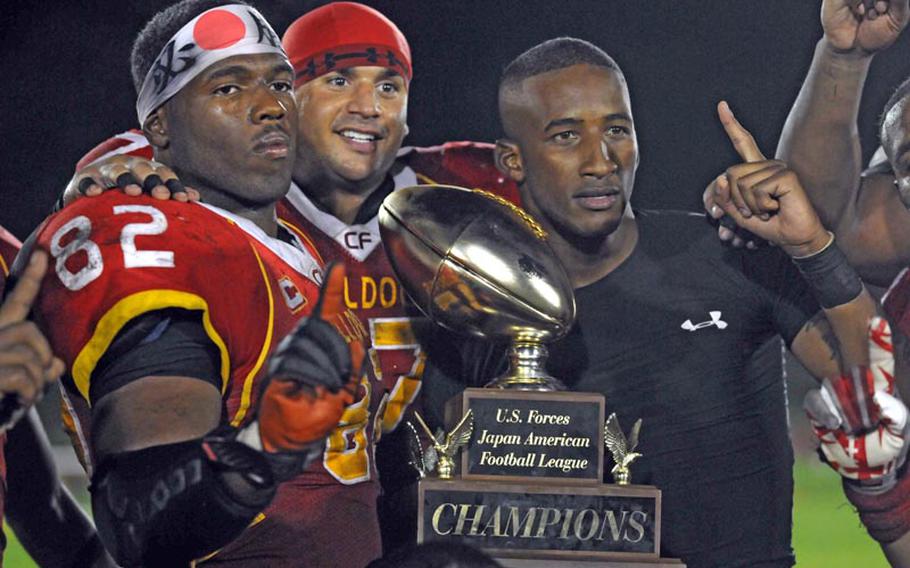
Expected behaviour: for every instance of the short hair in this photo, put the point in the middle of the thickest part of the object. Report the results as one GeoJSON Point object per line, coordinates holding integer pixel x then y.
{"type": "Point", "coordinates": [161, 28]}
{"type": "Point", "coordinates": [899, 94]}
{"type": "Point", "coordinates": [552, 55]}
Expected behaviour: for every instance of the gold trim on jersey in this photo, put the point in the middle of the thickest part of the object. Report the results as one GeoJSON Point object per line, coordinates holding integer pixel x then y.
{"type": "Point", "coordinates": [247, 393]}
{"type": "Point", "coordinates": [426, 179]}
{"type": "Point", "coordinates": [256, 520]}
{"type": "Point", "coordinates": [126, 310]}
{"type": "Point", "coordinates": [5, 268]}
{"type": "Point", "coordinates": [73, 428]}
{"type": "Point", "coordinates": [403, 394]}
{"type": "Point", "coordinates": [305, 238]}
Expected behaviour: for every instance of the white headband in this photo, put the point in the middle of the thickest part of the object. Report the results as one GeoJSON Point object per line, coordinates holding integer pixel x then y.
{"type": "Point", "coordinates": [216, 34]}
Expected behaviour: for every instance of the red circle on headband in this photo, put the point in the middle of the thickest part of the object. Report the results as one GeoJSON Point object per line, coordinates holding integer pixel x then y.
{"type": "Point", "coordinates": [218, 29]}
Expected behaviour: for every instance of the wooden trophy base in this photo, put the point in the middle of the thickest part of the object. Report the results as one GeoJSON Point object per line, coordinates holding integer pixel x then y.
{"type": "Point", "coordinates": [529, 487]}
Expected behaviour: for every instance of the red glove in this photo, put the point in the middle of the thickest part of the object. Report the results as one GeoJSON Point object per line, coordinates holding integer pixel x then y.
{"type": "Point", "coordinates": [313, 375]}
{"type": "Point", "coordinates": [859, 421]}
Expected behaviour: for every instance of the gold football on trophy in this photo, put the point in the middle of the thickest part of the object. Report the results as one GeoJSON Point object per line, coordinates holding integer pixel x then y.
{"type": "Point", "coordinates": [477, 264]}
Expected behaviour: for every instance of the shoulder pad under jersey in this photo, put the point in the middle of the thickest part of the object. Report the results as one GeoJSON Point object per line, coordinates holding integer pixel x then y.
{"type": "Point", "coordinates": [115, 257]}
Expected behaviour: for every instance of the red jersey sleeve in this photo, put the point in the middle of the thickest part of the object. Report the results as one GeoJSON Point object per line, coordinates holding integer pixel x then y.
{"type": "Point", "coordinates": [131, 142]}
{"type": "Point", "coordinates": [115, 257]}
{"type": "Point", "coordinates": [897, 302]}
{"type": "Point", "coordinates": [9, 247]}
{"type": "Point", "coordinates": [466, 164]}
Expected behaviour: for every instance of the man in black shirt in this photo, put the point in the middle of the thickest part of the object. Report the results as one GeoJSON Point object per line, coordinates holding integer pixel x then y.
{"type": "Point", "coordinates": [673, 327]}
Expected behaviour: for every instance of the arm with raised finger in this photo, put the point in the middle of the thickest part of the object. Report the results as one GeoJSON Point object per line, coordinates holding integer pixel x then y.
{"type": "Point", "coordinates": [820, 138]}
{"type": "Point", "coordinates": [27, 364]}
{"type": "Point", "coordinates": [821, 142]}
{"type": "Point", "coordinates": [784, 216]}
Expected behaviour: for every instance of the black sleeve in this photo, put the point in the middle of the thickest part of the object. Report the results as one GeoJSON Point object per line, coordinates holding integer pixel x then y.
{"type": "Point", "coordinates": [42, 512]}
{"type": "Point", "coordinates": [170, 342]}
{"type": "Point", "coordinates": [791, 300]}
{"type": "Point", "coordinates": [166, 505]}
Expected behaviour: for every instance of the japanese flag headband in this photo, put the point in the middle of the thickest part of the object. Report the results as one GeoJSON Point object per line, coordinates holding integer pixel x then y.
{"type": "Point", "coordinates": [216, 34]}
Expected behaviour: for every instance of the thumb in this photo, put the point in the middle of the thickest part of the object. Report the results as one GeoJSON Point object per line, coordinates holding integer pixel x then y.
{"type": "Point", "coordinates": [331, 295]}
{"type": "Point", "coordinates": [821, 410]}
{"type": "Point", "coordinates": [894, 413]}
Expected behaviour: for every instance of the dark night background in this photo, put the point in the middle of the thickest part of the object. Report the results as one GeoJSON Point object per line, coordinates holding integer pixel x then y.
{"type": "Point", "coordinates": [66, 83]}
{"type": "Point", "coordinates": [66, 79]}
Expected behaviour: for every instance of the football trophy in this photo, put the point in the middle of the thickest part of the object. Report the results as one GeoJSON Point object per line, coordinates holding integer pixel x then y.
{"type": "Point", "coordinates": [474, 263]}
{"type": "Point", "coordinates": [528, 485]}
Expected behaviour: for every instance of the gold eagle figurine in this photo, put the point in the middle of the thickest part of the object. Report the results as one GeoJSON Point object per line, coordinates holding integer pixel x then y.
{"type": "Point", "coordinates": [623, 450]}
{"type": "Point", "coordinates": [458, 437]}
{"type": "Point", "coordinates": [424, 461]}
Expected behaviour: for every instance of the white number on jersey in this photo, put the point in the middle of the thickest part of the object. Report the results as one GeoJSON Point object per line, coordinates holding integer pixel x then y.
{"type": "Point", "coordinates": [94, 266]}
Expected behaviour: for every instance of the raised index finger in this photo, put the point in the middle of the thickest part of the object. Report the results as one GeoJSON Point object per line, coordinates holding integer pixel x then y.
{"type": "Point", "coordinates": [741, 138]}
{"type": "Point", "coordinates": [18, 304]}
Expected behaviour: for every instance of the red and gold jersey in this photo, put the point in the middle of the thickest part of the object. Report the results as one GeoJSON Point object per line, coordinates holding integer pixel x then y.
{"type": "Point", "coordinates": [132, 142]}
{"type": "Point", "coordinates": [116, 257]}
{"type": "Point", "coordinates": [9, 246]}
{"type": "Point", "coordinates": [466, 164]}
{"type": "Point", "coordinates": [372, 290]}
{"type": "Point", "coordinates": [896, 303]}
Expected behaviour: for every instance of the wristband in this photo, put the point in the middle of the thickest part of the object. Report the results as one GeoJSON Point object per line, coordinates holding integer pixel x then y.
{"type": "Point", "coordinates": [830, 276]}
{"type": "Point", "coordinates": [284, 465]}
{"type": "Point", "coordinates": [886, 515]}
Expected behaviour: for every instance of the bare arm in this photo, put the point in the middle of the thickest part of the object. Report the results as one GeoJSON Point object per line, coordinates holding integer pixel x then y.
{"type": "Point", "coordinates": [835, 339]}
{"type": "Point", "coordinates": [820, 140]}
{"type": "Point", "coordinates": [821, 143]}
{"type": "Point", "coordinates": [875, 233]}
{"type": "Point", "coordinates": [154, 411]}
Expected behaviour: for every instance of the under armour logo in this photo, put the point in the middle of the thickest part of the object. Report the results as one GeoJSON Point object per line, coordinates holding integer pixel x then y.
{"type": "Point", "coordinates": [715, 320]}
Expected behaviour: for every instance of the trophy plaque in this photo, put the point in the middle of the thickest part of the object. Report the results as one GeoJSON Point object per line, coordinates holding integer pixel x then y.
{"type": "Point", "coordinates": [527, 486]}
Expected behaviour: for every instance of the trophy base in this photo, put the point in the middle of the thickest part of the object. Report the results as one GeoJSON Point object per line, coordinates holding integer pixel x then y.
{"type": "Point", "coordinates": [543, 522]}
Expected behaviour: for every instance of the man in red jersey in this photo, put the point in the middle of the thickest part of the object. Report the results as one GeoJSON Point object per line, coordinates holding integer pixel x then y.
{"type": "Point", "coordinates": [353, 70]}
{"type": "Point", "coordinates": [197, 426]}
